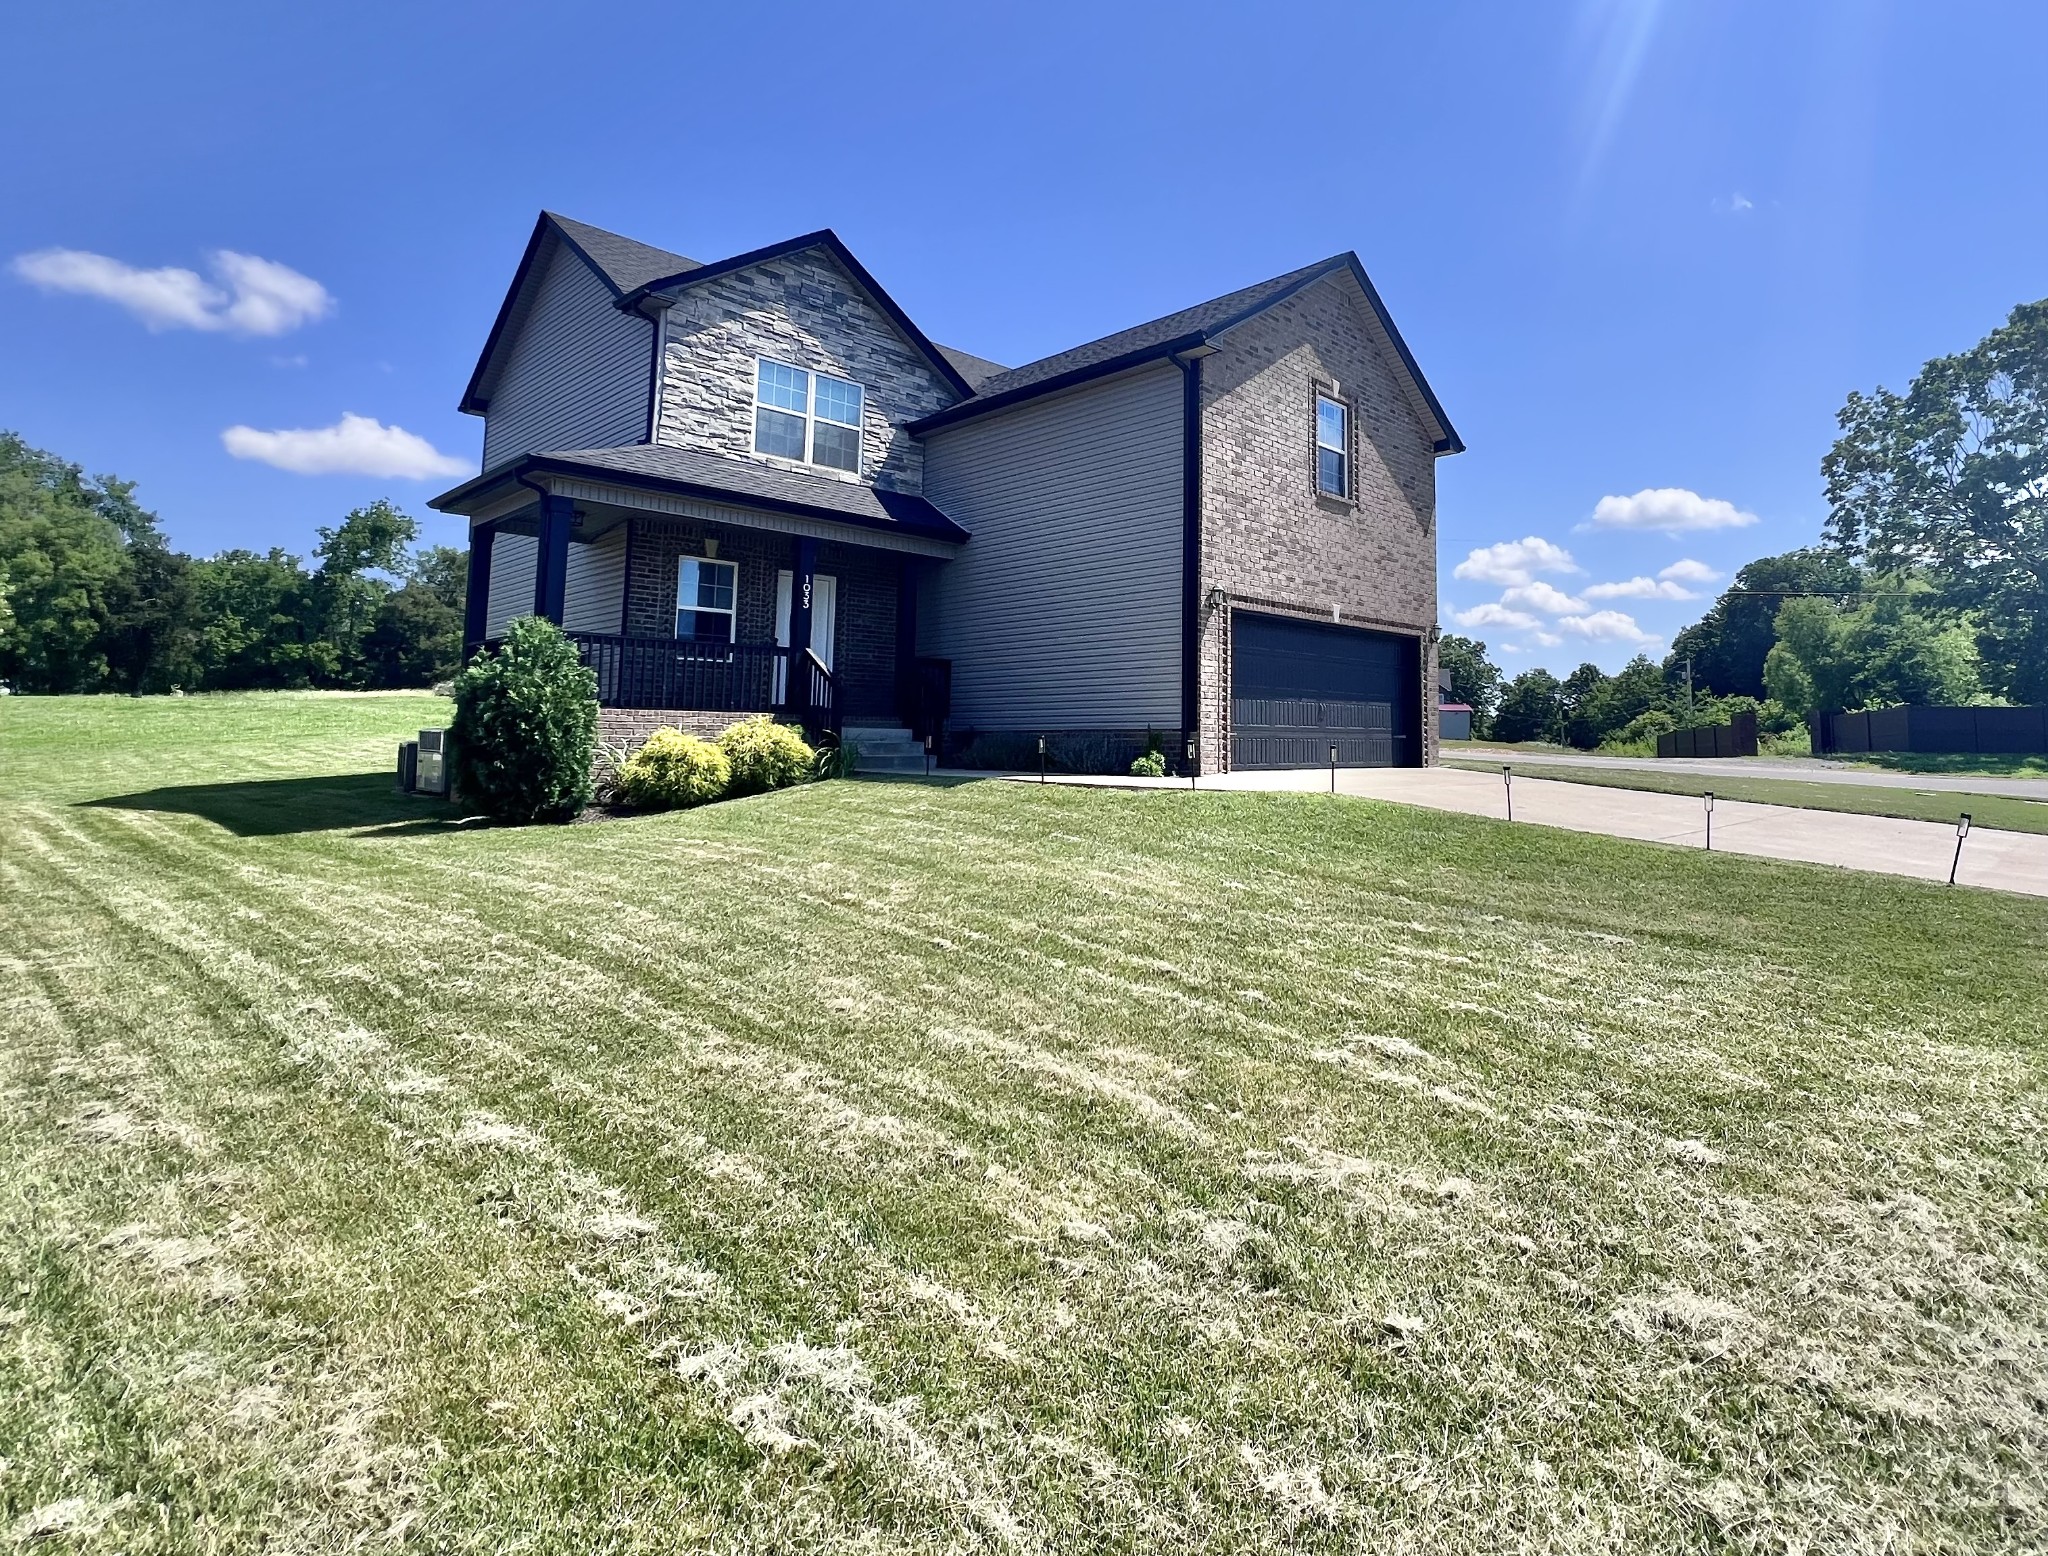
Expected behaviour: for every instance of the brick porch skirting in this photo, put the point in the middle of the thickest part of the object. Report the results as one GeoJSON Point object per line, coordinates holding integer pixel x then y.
{"type": "Point", "coordinates": [630, 727]}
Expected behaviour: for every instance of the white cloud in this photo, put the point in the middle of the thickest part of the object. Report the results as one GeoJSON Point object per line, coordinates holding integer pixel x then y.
{"type": "Point", "coordinates": [1686, 570]}
{"type": "Point", "coordinates": [1543, 597]}
{"type": "Point", "coordinates": [1492, 615]}
{"type": "Point", "coordinates": [355, 445]}
{"type": "Point", "coordinates": [1609, 627]}
{"type": "Point", "coordinates": [1515, 561]}
{"type": "Point", "coordinates": [249, 295]}
{"type": "Point", "coordinates": [1548, 640]}
{"type": "Point", "coordinates": [1640, 588]}
{"type": "Point", "coordinates": [1667, 508]}
{"type": "Point", "coordinates": [1734, 203]}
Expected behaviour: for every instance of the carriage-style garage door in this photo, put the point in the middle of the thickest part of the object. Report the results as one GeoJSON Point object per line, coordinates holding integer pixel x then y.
{"type": "Point", "coordinates": [1299, 687]}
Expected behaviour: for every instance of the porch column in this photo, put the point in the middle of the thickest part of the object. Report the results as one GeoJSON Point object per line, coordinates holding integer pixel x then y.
{"type": "Point", "coordinates": [476, 599]}
{"type": "Point", "coordinates": [802, 583]}
{"type": "Point", "coordinates": [551, 565]}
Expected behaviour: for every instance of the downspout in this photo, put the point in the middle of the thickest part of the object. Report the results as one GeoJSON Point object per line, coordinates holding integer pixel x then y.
{"type": "Point", "coordinates": [1190, 364]}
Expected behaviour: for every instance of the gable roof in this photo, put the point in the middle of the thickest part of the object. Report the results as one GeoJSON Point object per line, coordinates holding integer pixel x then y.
{"type": "Point", "coordinates": [976, 370]}
{"type": "Point", "coordinates": [620, 263]}
{"type": "Point", "coordinates": [828, 240]}
{"type": "Point", "coordinates": [1186, 330]}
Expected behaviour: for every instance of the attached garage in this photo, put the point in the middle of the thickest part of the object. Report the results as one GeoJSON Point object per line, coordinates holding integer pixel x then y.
{"type": "Point", "coordinates": [1298, 688]}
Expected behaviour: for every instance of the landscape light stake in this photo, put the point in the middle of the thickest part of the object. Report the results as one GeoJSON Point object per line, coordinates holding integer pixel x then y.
{"type": "Point", "coordinates": [927, 756]}
{"type": "Point", "coordinates": [1191, 764]}
{"type": "Point", "coordinates": [1333, 769]}
{"type": "Point", "coordinates": [1962, 831]}
{"type": "Point", "coordinates": [1041, 759]}
{"type": "Point", "coordinates": [1507, 779]}
{"type": "Point", "coordinates": [1710, 820]}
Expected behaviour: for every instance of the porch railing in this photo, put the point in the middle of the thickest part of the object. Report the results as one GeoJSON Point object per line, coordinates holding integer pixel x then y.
{"type": "Point", "coordinates": [653, 672]}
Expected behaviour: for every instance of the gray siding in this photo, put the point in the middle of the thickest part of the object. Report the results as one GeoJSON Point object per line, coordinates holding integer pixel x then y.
{"type": "Point", "coordinates": [577, 374]}
{"type": "Point", "coordinates": [593, 594]}
{"type": "Point", "coordinates": [512, 566]}
{"type": "Point", "coordinates": [1064, 610]}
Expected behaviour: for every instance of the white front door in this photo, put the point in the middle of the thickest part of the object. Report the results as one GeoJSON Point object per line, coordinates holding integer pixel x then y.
{"type": "Point", "coordinates": [824, 620]}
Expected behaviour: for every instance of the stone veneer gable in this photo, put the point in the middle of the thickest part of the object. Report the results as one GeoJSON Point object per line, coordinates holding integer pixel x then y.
{"type": "Point", "coordinates": [805, 310]}
{"type": "Point", "coordinates": [1268, 534]}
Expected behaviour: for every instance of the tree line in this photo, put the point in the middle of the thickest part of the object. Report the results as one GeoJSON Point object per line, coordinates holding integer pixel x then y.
{"type": "Point", "coordinates": [94, 599]}
{"type": "Point", "coordinates": [1930, 584]}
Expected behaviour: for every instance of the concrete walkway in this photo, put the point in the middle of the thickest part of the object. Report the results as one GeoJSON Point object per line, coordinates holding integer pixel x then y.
{"type": "Point", "coordinates": [2002, 861]}
{"type": "Point", "coordinates": [1803, 769]}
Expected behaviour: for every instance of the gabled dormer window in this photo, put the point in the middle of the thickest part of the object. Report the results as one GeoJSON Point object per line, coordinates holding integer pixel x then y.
{"type": "Point", "coordinates": [1333, 447]}
{"type": "Point", "coordinates": [812, 417]}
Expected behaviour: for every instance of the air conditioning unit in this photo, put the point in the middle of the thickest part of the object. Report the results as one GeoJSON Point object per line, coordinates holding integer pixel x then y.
{"type": "Point", "coordinates": [430, 767]}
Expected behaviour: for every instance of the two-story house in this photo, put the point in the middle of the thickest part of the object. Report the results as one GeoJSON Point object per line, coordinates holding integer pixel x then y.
{"type": "Point", "coordinates": [757, 484]}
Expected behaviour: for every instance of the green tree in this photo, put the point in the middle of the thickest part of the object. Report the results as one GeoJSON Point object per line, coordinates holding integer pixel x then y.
{"type": "Point", "coordinates": [1950, 480]}
{"type": "Point", "coordinates": [1617, 701]}
{"type": "Point", "coordinates": [1575, 698]}
{"type": "Point", "coordinates": [1883, 651]}
{"type": "Point", "coordinates": [68, 569]}
{"type": "Point", "coordinates": [258, 626]}
{"type": "Point", "coordinates": [1475, 679]}
{"type": "Point", "coordinates": [346, 598]}
{"type": "Point", "coordinates": [1530, 709]}
{"type": "Point", "coordinates": [1728, 645]}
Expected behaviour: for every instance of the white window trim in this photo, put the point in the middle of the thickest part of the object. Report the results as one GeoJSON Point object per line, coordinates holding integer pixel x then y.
{"type": "Point", "coordinates": [1343, 451]}
{"type": "Point", "coordinates": [732, 616]}
{"type": "Point", "coordinates": [811, 417]}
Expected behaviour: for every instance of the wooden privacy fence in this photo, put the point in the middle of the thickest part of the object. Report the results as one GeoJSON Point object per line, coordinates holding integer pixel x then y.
{"type": "Point", "coordinates": [1735, 738]}
{"type": "Point", "coordinates": [1932, 730]}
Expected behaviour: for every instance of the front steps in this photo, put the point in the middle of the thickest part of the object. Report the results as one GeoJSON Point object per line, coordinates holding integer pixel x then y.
{"type": "Point", "coordinates": [884, 748]}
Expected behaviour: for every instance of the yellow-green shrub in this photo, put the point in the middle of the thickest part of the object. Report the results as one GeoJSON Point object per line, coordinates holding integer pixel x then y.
{"type": "Point", "coordinates": [674, 769]}
{"type": "Point", "coordinates": [765, 755]}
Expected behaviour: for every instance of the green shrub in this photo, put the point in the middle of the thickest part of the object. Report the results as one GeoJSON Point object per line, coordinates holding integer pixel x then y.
{"type": "Point", "coordinates": [838, 759]}
{"type": "Point", "coordinates": [765, 755]}
{"type": "Point", "coordinates": [525, 726]}
{"type": "Point", "coordinates": [1151, 765]}
{"type": "Point", "coordinates": [672, 770]}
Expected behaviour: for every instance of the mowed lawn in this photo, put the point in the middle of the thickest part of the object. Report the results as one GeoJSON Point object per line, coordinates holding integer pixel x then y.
{"type": "Point", "coordinates": [890, 1167]}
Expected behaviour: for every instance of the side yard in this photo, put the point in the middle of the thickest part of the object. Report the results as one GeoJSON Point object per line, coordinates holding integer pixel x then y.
{"type": "Point", "coordinates": [907, 1167]}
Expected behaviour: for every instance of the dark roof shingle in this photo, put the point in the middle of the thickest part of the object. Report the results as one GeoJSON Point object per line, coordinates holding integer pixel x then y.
{"type": "Point", "coordinates": [624, 263]}
{"type": "Point", "coordinates": [741, 481]}
{"type": "Point", "coordinates": [1157, 332]}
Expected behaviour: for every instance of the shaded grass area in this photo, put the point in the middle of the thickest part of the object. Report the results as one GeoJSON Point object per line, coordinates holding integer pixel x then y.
{"type": "Point", "coordinates": [1958, 762]}
{"type": "Point", "coordinates": [888, 1167]}
{"type": "Point", "coordinates": [1987, 810]}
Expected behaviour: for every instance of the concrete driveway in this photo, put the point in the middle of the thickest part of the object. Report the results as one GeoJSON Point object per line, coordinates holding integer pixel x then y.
{"type": "Point", "coordinates": [2003, 861]}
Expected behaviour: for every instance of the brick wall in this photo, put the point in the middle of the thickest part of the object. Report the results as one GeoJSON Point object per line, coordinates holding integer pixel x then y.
{"type": "Point", "coordinates": [1267, 533]}
{"type": "Point", "coordinates": [864, 643]}
{"type": "Point", "coordinates": [804, 310]}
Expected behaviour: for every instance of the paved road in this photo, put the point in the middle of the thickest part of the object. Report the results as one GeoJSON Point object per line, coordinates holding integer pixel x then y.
{"type": "Point", "coordinates": [2003, 861]}
{"type": "Point", "coordinates": [1804, 769]}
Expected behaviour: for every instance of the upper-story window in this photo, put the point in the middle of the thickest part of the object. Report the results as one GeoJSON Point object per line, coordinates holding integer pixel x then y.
{"type": "Point", "coordinates": [809, 416]}
{"type": "Point", "coordinates": [1333, 447]}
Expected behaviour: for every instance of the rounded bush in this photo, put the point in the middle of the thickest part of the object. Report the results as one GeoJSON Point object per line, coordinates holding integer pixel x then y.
{"type": "Point", "coordinates": [525, 726]}
{"type": "Point", "coordinates": [672, 770]}
{"type": "Point", "coordinates": [765, 755]}
{"type": "Point", "coordinates": [1151, 765]}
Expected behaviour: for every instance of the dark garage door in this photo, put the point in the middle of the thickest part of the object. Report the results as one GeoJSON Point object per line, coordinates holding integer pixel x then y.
{"type": "Point", "coordinates": [1299, 687]}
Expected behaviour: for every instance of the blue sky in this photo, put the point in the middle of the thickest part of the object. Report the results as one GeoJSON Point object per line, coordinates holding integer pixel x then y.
{"type": "Point", "coordinates": [1643, 250]}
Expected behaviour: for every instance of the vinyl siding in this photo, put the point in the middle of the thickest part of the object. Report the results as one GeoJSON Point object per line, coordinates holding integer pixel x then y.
{"type": "Point", "coordinates": [593, 594]}
{"type": "Point", "coordinates": [577, 374]}
{"type": "Point", "coordinates": [1064, 610]}
{"type": "Point", "coordinates": [512, 567]}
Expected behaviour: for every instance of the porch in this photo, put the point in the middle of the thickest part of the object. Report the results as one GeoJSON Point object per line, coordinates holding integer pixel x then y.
{"type": "Point", "coordinates": [700, 611]}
